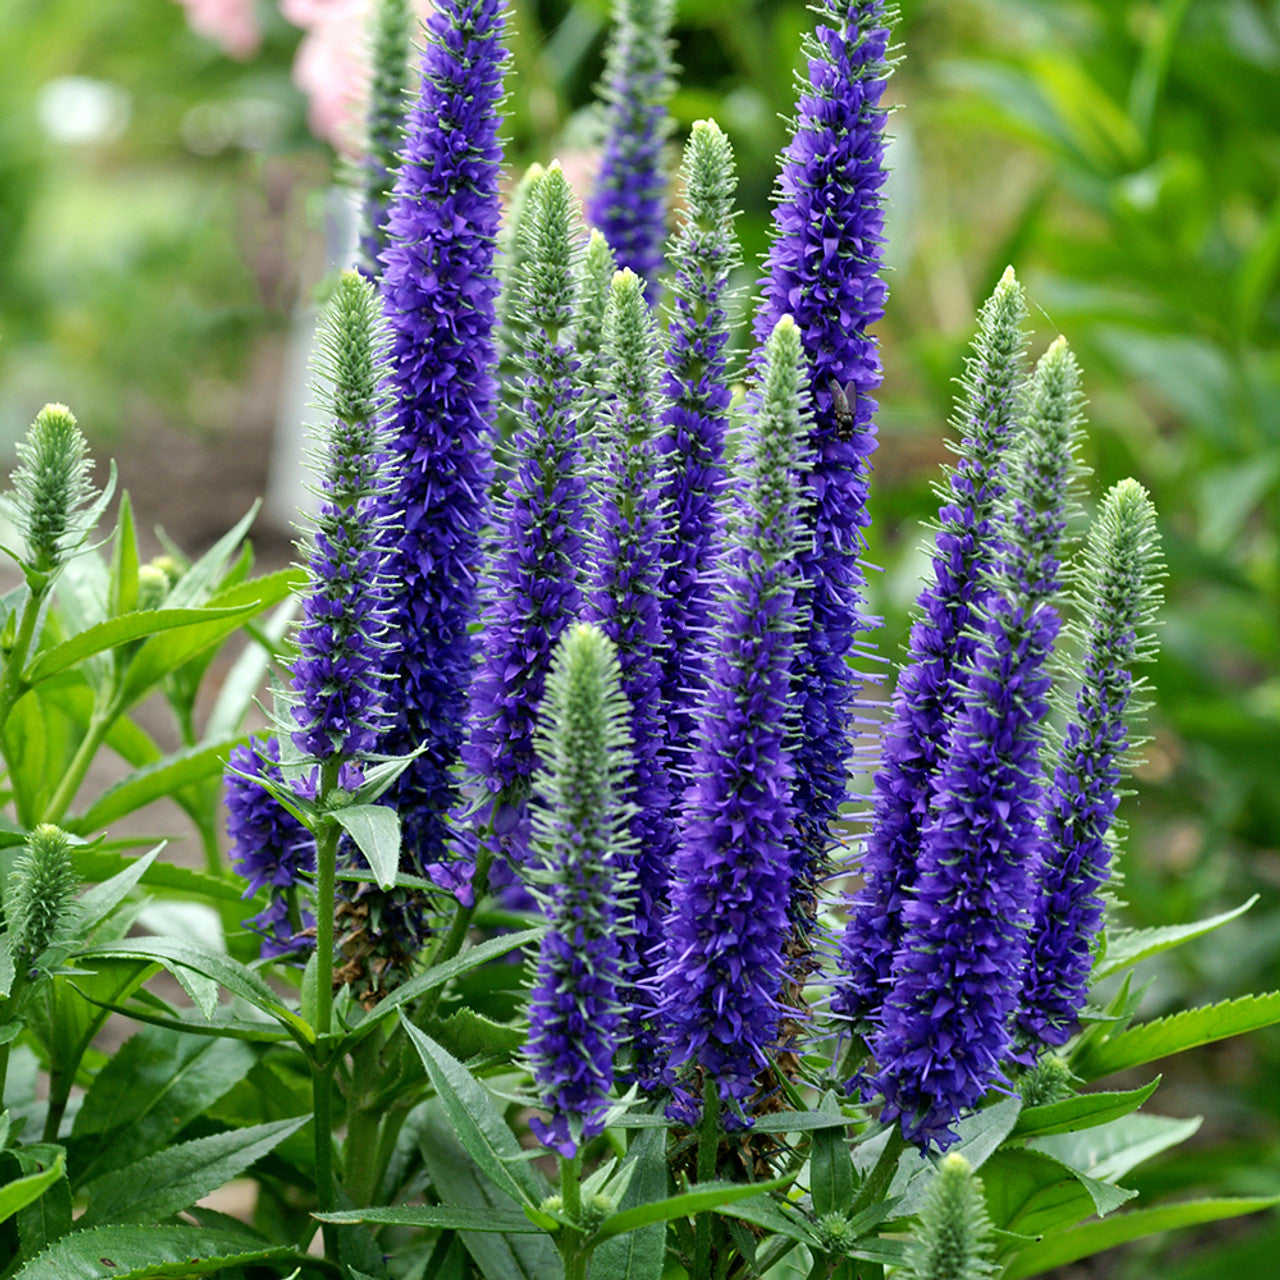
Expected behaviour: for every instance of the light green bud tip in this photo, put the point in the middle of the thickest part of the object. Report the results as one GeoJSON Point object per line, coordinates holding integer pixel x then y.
{"type": "Point", "coordinates": [50, 484]}
{"type": "Point", "coordinates": [153, 586]}
{"type": "Point", "coordinates": [351, 345]}
{"type": "Point", "coordinates": [1122, 567]}
{"type": "Point", "coordinates": [709, 176]}
{"type": "Point", "coordinates": [952, 1241]}
{"type": "Point", "coordinates": [1050, 1081]}
{"type": "Point", "coordinates": [546, 248]}
{"type": "Point", "coordinates": [40, 904]}
{"type": "Point", "coordinates": [630, 344]}
{"type": "Point", "coordinates": [583, 728]}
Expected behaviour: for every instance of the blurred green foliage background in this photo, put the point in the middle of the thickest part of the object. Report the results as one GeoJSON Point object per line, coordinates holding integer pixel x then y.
{"type": "Point", "coordinates": [162, 217]}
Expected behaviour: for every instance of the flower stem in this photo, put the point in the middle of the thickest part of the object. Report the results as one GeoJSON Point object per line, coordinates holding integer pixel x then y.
{"type": "Point", "coordinates": [878, 1180]}
{"type": "Point", "coordinates": [571, 1240]}
{"type": "Point", "coordinates": [708, 1148]}
{"type": "Point", "coordinates": [11, 684]}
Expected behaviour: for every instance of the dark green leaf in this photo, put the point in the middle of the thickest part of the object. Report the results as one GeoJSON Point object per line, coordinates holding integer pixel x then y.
{"type": "Point", "coordinates": [93, 864]}
{"type": "Point", "coordinates": [477, 1122]}
{"type": "Point", "coordinates": [171, 1180]}
{"type": "Point", "coordinates": [1032, 1194]}
{"type": "Point", "coordinates": [98, 903]}
{"type": "Point", "coordinates": [831, 1178]}
{"type": "Point", "coordinates": [154, 781]}
{"type": "Point", "coordinates": [638, 1255]}
{"type": "Point", "coordinates": [1127, 949]}
{"type": "Point", "coordinates": [125, 629]}
{"type": "Point", "coordinates": [452, 1217]}
{"type": "Point", "coordinates": [467, 1034]}
{"type": "Point", "coordinates": [24, 1191]}
{"type": "Point", "coordinates": [376, 831]}
{"type": "Point", "coordinates": [1093, 1237]}
{"type": "Point", "coordinates": [1187, 1030]}
{"type": "Point", "coordinates": [696, 1199]}
{"type": "Point", "coordinates": [124, 560]}
{"type": "Point", "coordinates": [153, 1086]}
{"type": "Point", "coordinates": [136, 1252]}
{"type": "Point", "coordinates": [457, 1181]}
{"type": "Point", "coordinates": [1084, 1111]}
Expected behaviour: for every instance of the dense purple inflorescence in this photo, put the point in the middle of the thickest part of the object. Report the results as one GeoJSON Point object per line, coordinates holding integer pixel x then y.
{"type": "Point", "coordinates": [1119, 598]}
{"type": "Point", "coordinates": [956, 978]}
{"type": "Point", "coordinates": [703, 251]}
{"type": "Point", "coordinates": [625, 600]}
{"type": "Point", "coordinates": [581, 833]}
{"type": "Point", "coordinates": [438, 288]}
{"type": "Point", "coordinates": [726, 961]}
{"type": "Point", "coordinates": [629, 201]}
{"type": "Point", "coordinates": [823, 268]}
{"type": "Point", "coordinates": [269, 847]}
{"type": "Point", "coordinates": [941, 647]}
{"type": "Point", "coordinates": [531, 588]}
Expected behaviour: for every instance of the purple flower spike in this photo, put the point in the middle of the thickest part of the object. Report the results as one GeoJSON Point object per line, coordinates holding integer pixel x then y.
{"type": "Point", "coordinates": [726, 957]}
{"type": "Point", "coordinates": [581, 833]}
{"type": "Point", "coordinates": [942, 644]}
{"type": "Point", "coordinates": [1119, 594]}
{"type": "Point", "coordinates": [438, 292]}
{"type": "Point", "coordinates": [337, 677]}
{"type": "Point", "coordinates": [703, 251]}
{"type": "Point", "coordinates": [629, 202]}
{"type": "Point", "coordinates": [269, 847]}
{"type": "Point", "coordinates": [956, 978]}
{"type": "Point", "coordinates": [823, 268]}
{"type": "Point", "coordinates": [532, 589]}
{"type": "Point", "coordinates": [625, 601]}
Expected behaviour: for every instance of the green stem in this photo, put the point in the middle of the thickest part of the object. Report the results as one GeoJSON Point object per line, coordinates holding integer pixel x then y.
{"type": "Point", "coordinates": [360, 1150]}
{"type": "Point", "coordinates": [571, 1240]}
{"type": "Point", "coordinates": [322, 1068]}
{"type": "Point", "coordinates": [708, 1150]}
{"type": "Point", "coordinates": [452, 942]}
{"type": "Point", "coordinates": [100, 721]}
{"type": "Point", "coordinates": [878, 1180]}
{"type": "Point", "coordinates": [11, 684]}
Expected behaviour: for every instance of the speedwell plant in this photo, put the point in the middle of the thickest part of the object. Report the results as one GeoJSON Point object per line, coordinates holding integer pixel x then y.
{"type": "Point", "coordinates": [589, 912]}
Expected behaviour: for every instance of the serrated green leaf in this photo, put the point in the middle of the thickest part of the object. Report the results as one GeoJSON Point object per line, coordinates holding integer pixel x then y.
{"type": "Point", "coordinates": [1127, 949]}
{"type": "Point", "coordinates": [94, 864]}
{"type": "Point", "coordinates": [438, 976]}
{"type": "Point", "coordinates": [138, 1252]}
{"type": "Point", "coordinates": [200, 578]}
{"type": "Point", "coordinates": [457, 1181]}
{"type": "Point", "coordinates": [1093, 1237]}
{"type": "Point", "coordinates": [155, 1084]}
{"type": "Point", "coordinates": [698, 1198]}
{"type": "Point", "coordinates": [124, 629]}
{"type": "Point", "coordinates": [1114, 1149]}
{"type": "Point", "coordinates": [467, 1034]}
{"type": "Point", "coordinates": [153, 782]}
{"type": "Point", "coordinates": [1032, 1194]}
{"type": "Point", "coordinates": [450, 1217]}
{"type": "Point", "coordinates": [1189, 1029]}
{"type": "Point", "coordinates": [1084, 1111]}
{"type": "Point", "coordinates": [171, 1180]}
{"type": "Point", "coordinates": [638, 1255]}
{"type": "Point", "coordinates": [98, 903]}
{"type": "Point", "coordinates": [24, 1191]}
{"type": "Point", "coordinates": [799, 1122]}
{"type": "Point", "coordinates": [164, 653]}
{"type": "Point", "coordinates": [477, 1122]}
{"type": "Point", "coordinates": [376, 831]}
{"type": "Point", "coordinates": [831, 1179]}
{"type": "Point", "coordinates": [124, 560]}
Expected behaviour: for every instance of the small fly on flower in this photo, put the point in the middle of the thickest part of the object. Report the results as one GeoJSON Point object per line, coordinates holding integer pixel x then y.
{"type": "Point", "coordinates": [844, 404]}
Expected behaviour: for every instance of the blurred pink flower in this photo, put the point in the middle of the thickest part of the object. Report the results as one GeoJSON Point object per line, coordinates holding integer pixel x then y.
{"type": "Point", "coordinates": [232, 23]}
{"type": "Point", "coordinates": [332, 66]}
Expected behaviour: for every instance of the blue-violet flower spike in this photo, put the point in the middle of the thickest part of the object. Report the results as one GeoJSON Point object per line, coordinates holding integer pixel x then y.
{"type": "Point", "coordinates": [629, 201]}
{"type": "Point", "coordinates": [438, 292]}
{"type": "Point", "coordinates": [726, 954]}
{"type": "Point", "coordinates": [531, 589]}
{"type": "Point", "coordinates": [625, 600]}
{"type": "Point", "coordinates": [957, 976]}
{"type": "Point", "coordinates": [1118, 592]}
{"type": "Point", "coordinates": [391, 39]}
{"type": "Point", "coordinates": [580, 821]}
{"type": "Point", "coordinates": [338, 688]}
{"type": "Point", "coordinates": [941, 647]}
{"type": "Point", "coordinates": [704, 250]}
{"type": "Point", "coordinates": [823, 268]}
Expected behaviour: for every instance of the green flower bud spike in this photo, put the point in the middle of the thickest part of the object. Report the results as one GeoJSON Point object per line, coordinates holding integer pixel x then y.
{"type": "Point", "coordinates": [952, 1241]}
{"type": "Point", "coordinates": [51, 490]}
{"type": "Point", "coordinates": [40, 906]}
